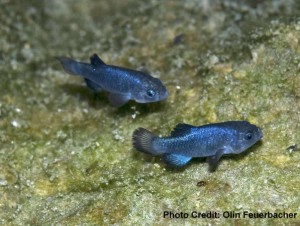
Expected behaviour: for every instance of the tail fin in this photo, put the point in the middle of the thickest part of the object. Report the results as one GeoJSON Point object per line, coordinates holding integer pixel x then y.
{"type": "Point", "coordinates": [143, 141]}
{"type": "Point", "coordinates": [74, 67]}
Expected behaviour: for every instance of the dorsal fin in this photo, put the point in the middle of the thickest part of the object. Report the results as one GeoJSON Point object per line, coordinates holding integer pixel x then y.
{"type": "Point", "coordinates": [181, 129]}
{"type": "Point", "coordinates": [96, 61]}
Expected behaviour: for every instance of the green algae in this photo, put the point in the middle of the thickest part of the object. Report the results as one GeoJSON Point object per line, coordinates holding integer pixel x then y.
{"type": "Point", "coordinates": [67, 158]}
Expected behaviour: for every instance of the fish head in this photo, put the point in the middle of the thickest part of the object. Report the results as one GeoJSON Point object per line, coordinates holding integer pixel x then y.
{"type": "Point", "coordinates": [150, 90]}
{"type": "Point", "coordinates": [248, 134]}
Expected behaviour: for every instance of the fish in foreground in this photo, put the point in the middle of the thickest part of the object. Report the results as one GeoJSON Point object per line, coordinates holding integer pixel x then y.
{"type": "Point", "coordinates": [122, 84]}
{"type": "Point", "coordinates": [187, 141]}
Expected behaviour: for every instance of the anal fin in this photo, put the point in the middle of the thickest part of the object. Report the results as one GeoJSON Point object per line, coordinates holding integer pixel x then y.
{"type": "Point", "coordinates": [176, 160]}
{"type": "Point", "coordinates": [117, 99]}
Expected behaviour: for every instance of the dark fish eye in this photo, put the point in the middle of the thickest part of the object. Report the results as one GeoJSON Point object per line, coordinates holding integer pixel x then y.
{"type": "Point", "coordinates": [150, 93]}
{"type": "Point", "coordinates": [248, 136]}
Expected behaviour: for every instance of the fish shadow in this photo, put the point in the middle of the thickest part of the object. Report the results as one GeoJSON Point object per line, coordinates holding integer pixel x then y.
{"type": "Point", "coordinates": [242, 155]}
{"type": "Point", "coordinates": [100, 100]}
{"type": "Point", "coordinates": [175, 169]}
{"type": "Point", "coordinates": [138, 156]}
{"type": "Point", "coordinates": [233, 157]}
{"type": "Point", "coordinates": [142, 109]}
{"type": "Point", "coordinates": [95, 100]}
{"type": "Point", "coordinates": [146, 158]}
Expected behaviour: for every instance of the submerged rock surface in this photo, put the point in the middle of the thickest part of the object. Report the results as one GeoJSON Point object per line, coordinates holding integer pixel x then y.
{"type": "Point", "coordinates": [66, 157]}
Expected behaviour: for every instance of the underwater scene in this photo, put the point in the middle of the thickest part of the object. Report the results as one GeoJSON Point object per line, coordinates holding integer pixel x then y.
{"type": "Point", "coordinates": [149, 112]}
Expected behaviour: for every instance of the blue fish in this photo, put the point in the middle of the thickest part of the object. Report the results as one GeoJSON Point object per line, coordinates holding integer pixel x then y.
{"type": "Point", "coordinates": [122, 84]}
{"type": "Point", "coordinates": [187, 141]}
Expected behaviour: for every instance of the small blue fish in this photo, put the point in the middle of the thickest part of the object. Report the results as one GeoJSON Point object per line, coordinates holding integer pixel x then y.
{"type": "Point", "coordinates": [122, 84]}
{"type": "Point", "coordinates": [187, 141]}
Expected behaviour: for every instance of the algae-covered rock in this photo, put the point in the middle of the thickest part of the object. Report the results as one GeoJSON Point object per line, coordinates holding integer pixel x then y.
{"type": "Point", "coordinates": [66, 155]}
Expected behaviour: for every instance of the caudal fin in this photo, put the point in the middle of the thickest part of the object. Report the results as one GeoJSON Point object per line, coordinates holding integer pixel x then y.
{"type": "Point", "coordinates": [74, 67]}
{"type": "Point", "coordinates": [142, 140]}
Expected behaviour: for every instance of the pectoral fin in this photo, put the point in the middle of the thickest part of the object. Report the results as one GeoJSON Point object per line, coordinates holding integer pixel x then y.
{"type": "Point", "coordinates": [214, 159]}
{"type": "Point", "coordinates": [92, 85]}
{"type": "Point", "coordinates": [117, 99]}
{"type": "Point", "coordinates": [176, 160]}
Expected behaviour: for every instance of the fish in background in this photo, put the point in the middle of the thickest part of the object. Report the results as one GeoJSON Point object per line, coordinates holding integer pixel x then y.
{"type": "Point", "coordinates": [186, 142]}
{"type": "Point", "coordinates": [122, 84]}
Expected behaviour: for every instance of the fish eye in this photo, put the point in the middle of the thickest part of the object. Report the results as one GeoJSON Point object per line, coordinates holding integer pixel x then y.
{"type": "Point", "coordinates": [248, 136]}
{"type": "Point", "coordinates": [150, 93]}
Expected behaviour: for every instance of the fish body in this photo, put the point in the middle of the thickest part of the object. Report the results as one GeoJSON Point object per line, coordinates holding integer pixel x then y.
{"type": "Point", "coordinates": [122, 84]}
{"type": "Point", "coordinates": [187, 141]}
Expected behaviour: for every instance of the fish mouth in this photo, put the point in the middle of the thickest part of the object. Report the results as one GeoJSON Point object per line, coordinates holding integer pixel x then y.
{"type": "Point", "coordinates": [163, 97]}
{"type": "Point", "coordinates": [260, 133]}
